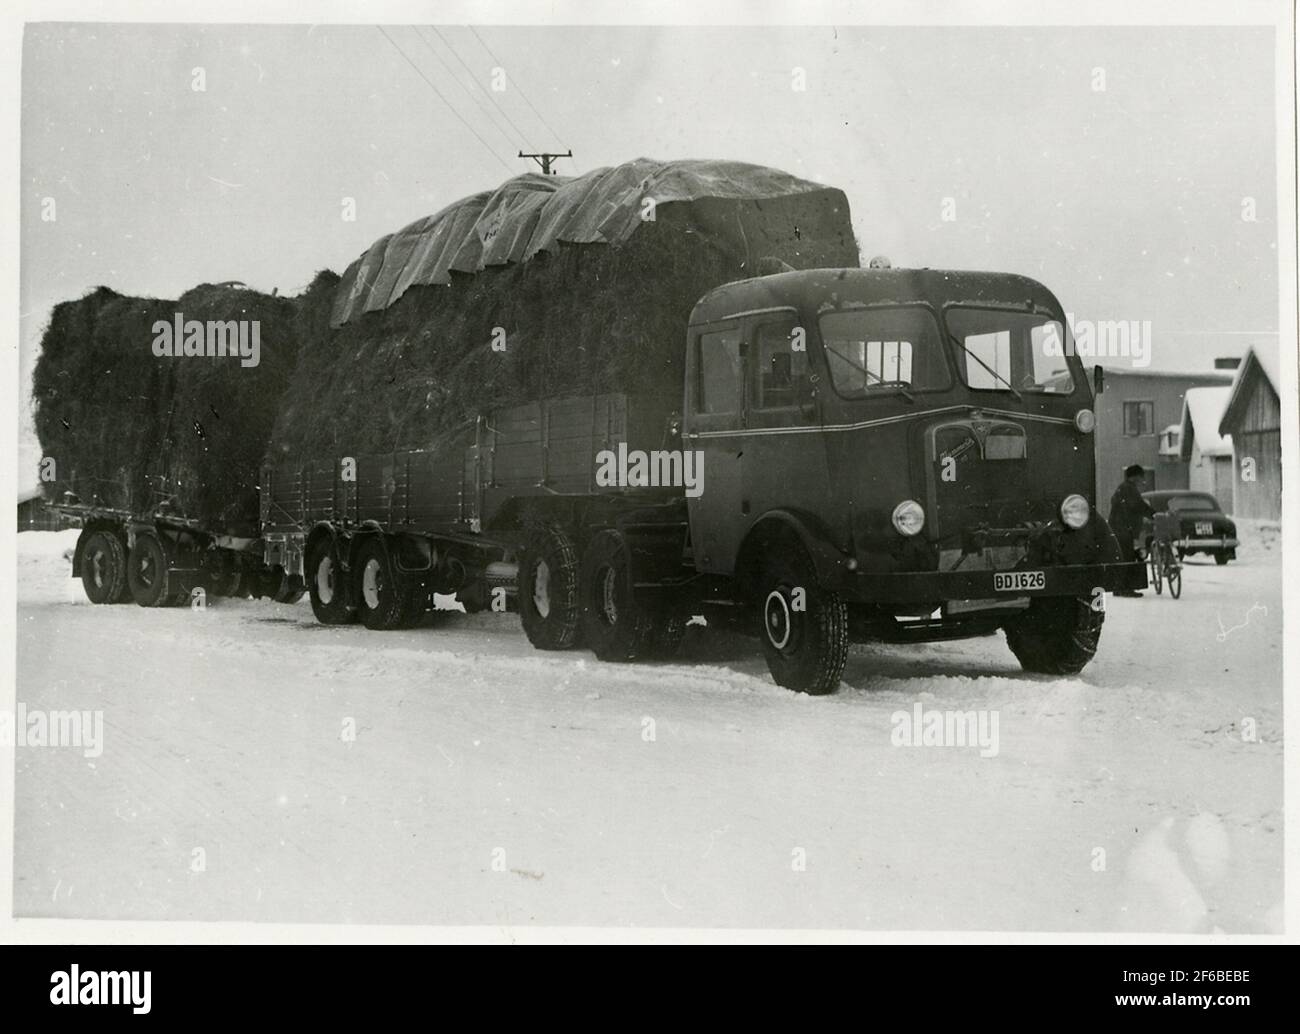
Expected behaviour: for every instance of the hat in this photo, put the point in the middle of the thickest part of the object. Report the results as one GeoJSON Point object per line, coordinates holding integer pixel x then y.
{"type": "Point", "coordinates": [1134, 470]}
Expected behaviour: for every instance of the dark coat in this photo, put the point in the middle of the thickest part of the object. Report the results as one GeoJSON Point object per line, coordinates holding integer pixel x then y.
{"type": "Point", "coordinates": [1127, 508]}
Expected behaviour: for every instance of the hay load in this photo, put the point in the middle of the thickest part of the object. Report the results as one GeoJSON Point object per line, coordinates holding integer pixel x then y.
{"type": "Point", "coordinates": [133, 421]}
{"type": "Point", "coordinates": [547, 286]}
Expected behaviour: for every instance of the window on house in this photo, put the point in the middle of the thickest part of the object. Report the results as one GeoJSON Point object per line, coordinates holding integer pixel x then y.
{"type": "Point", "coordinates": [1139, 419]}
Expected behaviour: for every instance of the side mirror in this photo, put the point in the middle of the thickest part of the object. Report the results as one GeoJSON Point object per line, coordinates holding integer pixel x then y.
{"type": "Point", "coordinates": [1098, 380]}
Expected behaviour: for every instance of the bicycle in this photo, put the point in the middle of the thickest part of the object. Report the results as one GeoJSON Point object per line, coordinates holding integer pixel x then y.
{"type": "Point", "coordinates": [1165, 564]}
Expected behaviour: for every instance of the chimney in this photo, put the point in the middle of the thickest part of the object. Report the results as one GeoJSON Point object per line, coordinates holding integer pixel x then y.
{"type": "Point", "coordinates": [1227, 362]}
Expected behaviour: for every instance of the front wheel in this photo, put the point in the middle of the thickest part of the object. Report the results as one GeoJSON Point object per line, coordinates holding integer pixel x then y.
{"type": "Point", "coordinates": [1220, 559]}
{"type": "Point", "coordinates": [1157, 568]}
{"type": "Point", "coordinates": [804, 628]}
{"type": "Point", "coordinates": [1057, 635]}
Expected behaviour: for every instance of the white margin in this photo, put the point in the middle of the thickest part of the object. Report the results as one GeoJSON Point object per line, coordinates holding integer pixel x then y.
{"type": "Point", "coordinates": [1278, 13]}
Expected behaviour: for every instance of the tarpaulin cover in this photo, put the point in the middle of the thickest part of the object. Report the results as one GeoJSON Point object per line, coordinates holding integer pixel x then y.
{"type": "Point", "coordinates": [534, 213]}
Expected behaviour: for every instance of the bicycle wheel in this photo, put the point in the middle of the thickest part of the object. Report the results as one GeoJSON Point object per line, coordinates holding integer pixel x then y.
{"type": "Point", "coordinates": [1157, 567]}
{"type": "Point", "coordinates": [1174, 576]}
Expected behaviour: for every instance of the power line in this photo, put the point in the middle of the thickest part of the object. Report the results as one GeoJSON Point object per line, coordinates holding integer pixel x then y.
{"type": "Point", "coordinates": [487, 115]}
{"type": "Point", "coordinates": [521, 136]}
{"type": "Point", "coordinates": [519, 88]}
{"type": "Point", "coordinates": [444, 100]}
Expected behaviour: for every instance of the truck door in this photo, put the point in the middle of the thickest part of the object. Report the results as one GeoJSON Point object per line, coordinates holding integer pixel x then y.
{"type": "Point", "coordinates": [785, 456]}
{"type": "Point", "coordinates": [715, 423]}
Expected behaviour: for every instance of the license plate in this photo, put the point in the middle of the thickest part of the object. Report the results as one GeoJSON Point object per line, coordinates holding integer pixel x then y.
{"type": "Point", "coordinates": [1204, 528]}
{"type": "Point", "coordinates": [1018, 581]}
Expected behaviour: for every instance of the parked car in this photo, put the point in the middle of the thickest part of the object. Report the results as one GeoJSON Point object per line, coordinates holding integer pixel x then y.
{"type": "Point", "coordinates": [1205, 527]}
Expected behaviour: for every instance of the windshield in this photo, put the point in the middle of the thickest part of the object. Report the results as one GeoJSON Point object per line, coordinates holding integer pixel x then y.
{"type": "Point", "coordinates": [1001, 350]}
{"type": "Point", "coordinates": [1193, 502]}
{"type": "Point", "coordinates": [879, 350]}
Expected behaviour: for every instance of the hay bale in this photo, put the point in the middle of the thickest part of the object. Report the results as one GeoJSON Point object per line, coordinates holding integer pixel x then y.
{"type": "Point", "coordinates": [129, 429]}
{"type": "Point", "coordinates": [583, 319]}
{"type": "Point", "coordinates": [95, 386]}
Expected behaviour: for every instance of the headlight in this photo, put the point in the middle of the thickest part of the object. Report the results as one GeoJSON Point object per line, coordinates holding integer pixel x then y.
{"type": "Point", "coordinates": [1075, 511]}
{"type": "Point", "coordinates": [1085, 420]}
{"type": "Point", "coordinates": [908, 517]}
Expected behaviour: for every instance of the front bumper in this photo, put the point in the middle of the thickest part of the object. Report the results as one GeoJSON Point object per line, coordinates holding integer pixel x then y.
{"type": "Point", "coordinates": [938, 586]}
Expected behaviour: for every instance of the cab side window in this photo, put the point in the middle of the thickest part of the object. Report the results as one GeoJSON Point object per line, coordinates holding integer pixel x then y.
{"type": "Point", "coordinates": [719, 371]}
{"type": "Point", "coordinates": [780, 365]}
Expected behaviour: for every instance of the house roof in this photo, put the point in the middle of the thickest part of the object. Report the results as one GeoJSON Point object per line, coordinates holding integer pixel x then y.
{"type": "Point", "coordinates": [1204, 376]}
{"type": "Point", "coordinates": [1202, 410]}
{"type": "Point", "coordinates": [1263, 363]}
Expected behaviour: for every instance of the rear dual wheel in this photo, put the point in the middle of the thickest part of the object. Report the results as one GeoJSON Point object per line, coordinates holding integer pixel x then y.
{"type": "Point", "coordinates": [327, 584]}
{"type": "Point", "coordinates": [104, 568]}
{"type": "Point", "coordinates": [548, 588]}
{"type": "Point", "coordinates": [149, 574]}
{"type": "Point", "coordinates": [387, 598]}
{"type": "Point", "coordinates": [615, 624]}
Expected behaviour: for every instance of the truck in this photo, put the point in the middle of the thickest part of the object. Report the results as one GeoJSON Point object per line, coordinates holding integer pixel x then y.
{"type": "Point", "coordinates": [887, 454]}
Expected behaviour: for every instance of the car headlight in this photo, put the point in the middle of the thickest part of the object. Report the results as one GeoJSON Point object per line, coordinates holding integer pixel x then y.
{"type": "Point", "coordinates": [908, 517]}
{"type": "Point", "coordinates": [1085, 420]}
{"type": "Point", "coordinates": [1075, 511]}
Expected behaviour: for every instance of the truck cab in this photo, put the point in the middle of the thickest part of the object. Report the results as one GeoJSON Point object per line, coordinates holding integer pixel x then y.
{"type": "Point", "coordinates": [919, 441]}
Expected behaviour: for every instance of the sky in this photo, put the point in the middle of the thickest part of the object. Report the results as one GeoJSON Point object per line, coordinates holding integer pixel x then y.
{"type": "Point", "coordinates": [1126, 200]}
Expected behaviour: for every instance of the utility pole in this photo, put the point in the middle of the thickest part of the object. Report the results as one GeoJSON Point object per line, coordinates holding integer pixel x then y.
{"type": "Point", "coordinates": [545, 158]}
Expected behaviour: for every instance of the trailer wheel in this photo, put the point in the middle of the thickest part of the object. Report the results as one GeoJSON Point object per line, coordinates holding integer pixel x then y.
{"type": "Point", "coordinates": [1057, 635]}
{"type": "Point", "coordinates": [103, 568]}
{"type": "Point", "coordinates": [804, 628]}
{"type": "Point", "coordinates": [382, 594]}
{"type": "Point", "coordinates": [614, 624]}
{"type": "Point", "coordinates": [147, 573]}
{"type": "Point", "coordinates": [327, 584]}
{"type": "Point", "coordinates": [548, 589]}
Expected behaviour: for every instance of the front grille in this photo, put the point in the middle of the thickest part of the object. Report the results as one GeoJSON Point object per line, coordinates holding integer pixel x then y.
{"type": "Point", "coordinates": [977, 473]}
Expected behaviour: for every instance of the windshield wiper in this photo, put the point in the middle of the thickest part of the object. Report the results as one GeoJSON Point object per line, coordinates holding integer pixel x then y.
{"type": "Point", "coordinates": [962, 345]}
{"type": "Point", "coordinates": [879, 379]}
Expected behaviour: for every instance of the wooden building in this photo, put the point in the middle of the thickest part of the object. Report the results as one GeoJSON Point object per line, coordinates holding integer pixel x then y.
{"type": "Point", "coordinates": [1253, 417]}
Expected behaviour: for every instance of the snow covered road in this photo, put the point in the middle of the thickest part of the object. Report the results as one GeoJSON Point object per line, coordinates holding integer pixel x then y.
{"type": "Point", "coordinates": [258, 766]}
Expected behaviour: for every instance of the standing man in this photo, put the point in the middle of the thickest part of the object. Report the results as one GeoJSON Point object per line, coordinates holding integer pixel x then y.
{"type": "Point", "coordinates": [1127, 511]}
